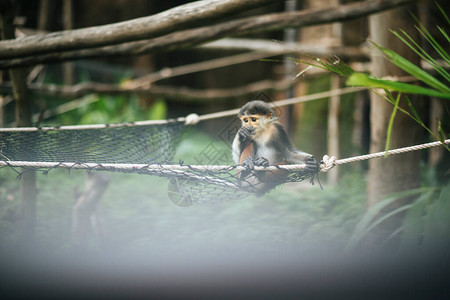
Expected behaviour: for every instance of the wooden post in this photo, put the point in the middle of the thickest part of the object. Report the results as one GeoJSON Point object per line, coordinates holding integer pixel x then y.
{"type": "Point", "coordinates": [67, 13]}
{"type": "Point", "coordinates": [402, 172]}
{"type": "Point", "coordinates": [290, 36]}
{"type": "Point", "coordinates": [334, 105]}
{"type": "Point", "coordinates": [2, 104]}
{"type": "Point", "coordinates": [391, 175]}
{"type": "Point", "coordinates": [43, 15]}
{"type": "Point", "coordinates": [333, 128]}
{"type": "Point", "coordinates": [23, 102]}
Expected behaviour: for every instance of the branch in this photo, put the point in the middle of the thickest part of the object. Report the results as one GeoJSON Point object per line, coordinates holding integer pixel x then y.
{"type": "Point", "coordinates": [194, 37]}
{"type": "Point", "coordinates": [181, 17]}
{"type": "Point", "coordinates": [312, 48]}
{"type": "Point", "coordinates": [271, 48]}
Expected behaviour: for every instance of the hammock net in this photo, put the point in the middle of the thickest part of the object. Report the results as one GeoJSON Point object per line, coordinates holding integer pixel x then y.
{"type": "Point", "coordinates": [97, 148]}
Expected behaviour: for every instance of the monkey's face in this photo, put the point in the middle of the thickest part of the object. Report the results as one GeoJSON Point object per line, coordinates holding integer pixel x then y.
{"type": "Point", "coordinates": [256, 121]}
{"type": "Point", "coordinates": [251, 120]}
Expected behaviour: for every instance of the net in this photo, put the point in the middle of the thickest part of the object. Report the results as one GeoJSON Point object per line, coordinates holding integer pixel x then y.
{"type": "Point", "coordinates": [111, 144]}
{"type": "Point", "coordinates": [144, 149]}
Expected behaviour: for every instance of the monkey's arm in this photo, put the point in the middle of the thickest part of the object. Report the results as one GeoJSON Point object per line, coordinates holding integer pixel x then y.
{"type": "Point", "coordinates": [299, 157]}
{"type": "Point", "coordinates": [292, 155]}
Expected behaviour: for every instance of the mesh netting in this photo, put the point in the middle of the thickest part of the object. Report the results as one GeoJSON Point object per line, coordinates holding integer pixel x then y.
{"type": "Point", "coordinates": [142, 150]}
{"type": "Point", "coordinates": [118, 144]}
{"type": "Point", "coordinates": [190, 186]}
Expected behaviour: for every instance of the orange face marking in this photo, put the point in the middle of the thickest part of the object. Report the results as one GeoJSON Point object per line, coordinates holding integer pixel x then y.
{"type": "Point", "coordinates": [253, 120]}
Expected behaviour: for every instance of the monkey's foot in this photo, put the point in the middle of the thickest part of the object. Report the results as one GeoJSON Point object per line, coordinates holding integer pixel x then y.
{"type": "Point", "coordinates": [312, 165]}
{"type": "Point", "coordinates": [250, 163]}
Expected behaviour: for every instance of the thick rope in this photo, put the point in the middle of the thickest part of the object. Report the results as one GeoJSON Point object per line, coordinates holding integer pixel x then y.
{"type": "Point", "coordinates": [326, 164]}
{"type": "Point", "coordinates": [191, 119]}
{"type": "Point", "coordinates": [141, 167]}
{"type": "Point", "coordinates": [330, 162]}
{"type": "Point", "coordinates": [389, 152]}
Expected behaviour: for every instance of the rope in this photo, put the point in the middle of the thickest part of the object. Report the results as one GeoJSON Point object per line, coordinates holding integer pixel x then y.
{"type": "Point", "coordinates": [330, 162]}
{"type": "Point", "coordinates": [327, 163]}
{"type": "Point", "coordinates": [191, 119]}
{"type": "Point", "coordinates": [141, 167]}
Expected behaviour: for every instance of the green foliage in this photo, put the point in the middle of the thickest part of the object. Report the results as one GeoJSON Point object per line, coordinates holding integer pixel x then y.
{"type": "Point", "coordinates": [101, 109]}
{"type": "Point", "coordinates": [436, 87]}
{"type": "Point", "coordinates": [158, 111]}
{"type": "Point", "coordinates": [425, 225]}
{"type": "Point", "coordinates": [372, 219]}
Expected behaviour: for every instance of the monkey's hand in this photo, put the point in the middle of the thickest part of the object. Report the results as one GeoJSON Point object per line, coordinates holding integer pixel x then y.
{"type": "Point", "coordinates": [245, 133]}
{"type": "Point", "coordinates": [250, 163]}
{"type": "Point", "coordinates": [261, 161]}
{"type": "Point", "coordinates": [311, 164]}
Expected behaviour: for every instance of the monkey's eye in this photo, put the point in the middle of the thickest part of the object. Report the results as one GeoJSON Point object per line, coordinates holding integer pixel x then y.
{"type": "Point", "coordinates": [254, 119]}
{"type": "Point", "coordinates": [245, 120]}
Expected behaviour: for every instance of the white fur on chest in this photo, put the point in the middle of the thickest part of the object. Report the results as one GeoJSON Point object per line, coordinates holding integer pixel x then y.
{"type": "Point", "coordinates": [264, 150]}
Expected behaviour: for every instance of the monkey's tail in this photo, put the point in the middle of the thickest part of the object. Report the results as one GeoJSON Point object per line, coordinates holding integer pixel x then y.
{"type": "Point", "coordinates": [318, 180]}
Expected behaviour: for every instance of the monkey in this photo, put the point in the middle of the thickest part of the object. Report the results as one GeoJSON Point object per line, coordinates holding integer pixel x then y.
{"type": "Point", "coordinates": [262, 141]}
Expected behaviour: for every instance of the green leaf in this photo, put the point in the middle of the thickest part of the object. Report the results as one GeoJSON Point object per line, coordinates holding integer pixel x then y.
{"type": "Point", "coordinates": [372, 217]}
{"type": "Point", "coordinates": [443, 13]}
{"type": "Point", "coordinates": [391, 123]}
{"type": "Point", "coordinates": [414, 112]}
{"type": "Point", "coordinates": [429, 37]}
{"type": "Point", "coordinates": [441, 132]}
{"type": "Point", "coordinates": [413, 70]}
{"type": "Point", "coordinates": [444, 33]}
{"type": "Point", "coordinates": [409, 41]}
{"type": "Point", "coordinates": [361, 79]}
{"type": "Point", "coordinates": [413, 224]}
{"type": "Point", "coordinates": [335, 66]}
{"type": "Point", "coordinates": [158, 111]}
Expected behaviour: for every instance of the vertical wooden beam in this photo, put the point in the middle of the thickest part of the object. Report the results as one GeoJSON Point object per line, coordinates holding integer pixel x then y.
{"type": "Point", "coordinates": [400, 173]}
{"type": "Point", "coordinates": [68, 69]}
{"type": "Point", "coordinates": [28, 190]}
{"type": "Point", "coordinates": [334, 106]}
{"type": "Point", "coordinates": [2, 104]}
{"type": "Point", "coordinates": [333, 128]}
{"type": "Point", "coordinates": [44, 10]}
{"type": "Point", "coordinates": [290, 35]}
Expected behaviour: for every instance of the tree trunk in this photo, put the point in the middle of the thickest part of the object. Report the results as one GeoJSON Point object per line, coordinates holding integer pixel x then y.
{"type": "Point", "coordinates": [399, 173]}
